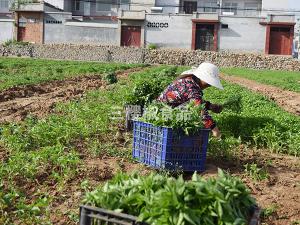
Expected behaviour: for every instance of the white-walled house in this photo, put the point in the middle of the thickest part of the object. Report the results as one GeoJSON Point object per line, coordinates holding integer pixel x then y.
{"type": "Point", "coordinates": [262, 26]}
{"type": "Point", "coordinates": [234, 25]}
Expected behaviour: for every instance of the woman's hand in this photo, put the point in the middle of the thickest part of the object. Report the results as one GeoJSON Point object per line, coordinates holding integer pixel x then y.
{"type": "Point", "coordinates": [216, 108]}
{"type": "Point", "coordinates": [216, 133]}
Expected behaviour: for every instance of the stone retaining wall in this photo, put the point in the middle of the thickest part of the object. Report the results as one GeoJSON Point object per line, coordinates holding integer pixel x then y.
{"type": "Point", "coordinates": [160, 56]}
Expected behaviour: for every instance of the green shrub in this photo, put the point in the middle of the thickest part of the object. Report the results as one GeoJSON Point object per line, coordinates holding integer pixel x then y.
{"type": "Point", "coordinates": [152, 46]}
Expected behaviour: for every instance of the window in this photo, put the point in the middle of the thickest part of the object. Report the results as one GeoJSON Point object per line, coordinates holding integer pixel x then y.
{"type": "Point", "coordinates": [3, 3]}
{"type": "Point", "coordinates": [251, 9]}
{"type": "Point", "coordinates": [224, 26]}
{"type": "Point", "coordinates": [189, 7]}
{"type": "Point", "coordinates": [280, 29]}
{"type": "Point", "coordinates": [103, 5]}
{"type": "Point", "coordinates": [22, 22]}
{"type": "Point", "coordinates": [77, 5]}
{"type": "Point", "coordinates": [230, 7]}
{"type": "Point", "coordinates": [124, 4]}
{"type": "Point", "coordinates": [211, 6]}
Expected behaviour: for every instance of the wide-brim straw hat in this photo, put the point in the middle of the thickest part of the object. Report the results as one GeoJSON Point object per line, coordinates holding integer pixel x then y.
{"type": "Point", "coordinates": [207, 72]}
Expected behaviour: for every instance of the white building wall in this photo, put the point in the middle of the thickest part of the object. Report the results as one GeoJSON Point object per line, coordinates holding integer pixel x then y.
{"type": "Point", "coordinates": [243, 34]}
{"type": "Point", "coordinates": [79, 32]}
{"type": "Point", "coordinates": [57, 3]}
{"type": "Point", "coordinates": [280, 6]}
{"type": "Point", "coordinates": [202, 4]}
{"type": "Point", "coordinates": [178, 34]}
{"type": "Point", "coordinates": [168, 5]}
{"type": "Point", "coordinates": [137, 5]}
{"type": "Point", "coordinates": [6, 9]}
{"type": "Point", "coordinates": [7, 30]}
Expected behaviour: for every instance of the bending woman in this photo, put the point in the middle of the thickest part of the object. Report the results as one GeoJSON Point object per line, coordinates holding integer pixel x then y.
{"type": "Point", "coordinates": [189, 87]}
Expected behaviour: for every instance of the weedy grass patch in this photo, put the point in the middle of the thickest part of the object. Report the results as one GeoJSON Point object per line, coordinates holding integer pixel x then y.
{"type": "Point", "coordinates": [255, 172]}
{"type": "Point", "coordinates": [269, 211]}
{"type": "Point", "coordinates": [282, 79]}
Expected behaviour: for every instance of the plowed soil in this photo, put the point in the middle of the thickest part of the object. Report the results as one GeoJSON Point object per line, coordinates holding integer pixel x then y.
{"type": "Point", "coordinates": [96, 171]}
{"type": "Point", "coordinates": [18, 102]}
{"type": "Point", "coordinates": [281, 190]}
{"type": "Point", "coordinates": [288, 100]}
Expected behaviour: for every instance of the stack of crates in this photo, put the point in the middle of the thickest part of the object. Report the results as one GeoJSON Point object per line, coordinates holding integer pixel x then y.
{"type": "Point", "coordinates": [165, 148]}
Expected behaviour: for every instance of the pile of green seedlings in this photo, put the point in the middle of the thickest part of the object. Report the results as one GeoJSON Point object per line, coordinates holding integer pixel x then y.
{"type": "Point", "coordinates": [162, 200]}
{"type": "Point", "coordinates": [186, 118]}
{"type": "Point", "coordinates": [145, 90]}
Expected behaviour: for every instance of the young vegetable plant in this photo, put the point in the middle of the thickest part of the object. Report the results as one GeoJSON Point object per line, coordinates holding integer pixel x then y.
{"type": "Point", "coordinates": [148, 88]}
{"type": "Point", "coordinates": [233, 103]}
{"type": "Point", "coordinates": [255, 172]}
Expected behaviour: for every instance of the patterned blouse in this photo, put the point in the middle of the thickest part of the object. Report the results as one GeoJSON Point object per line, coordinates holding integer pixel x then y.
{"type": "Point", "coordinates": [185, 90]}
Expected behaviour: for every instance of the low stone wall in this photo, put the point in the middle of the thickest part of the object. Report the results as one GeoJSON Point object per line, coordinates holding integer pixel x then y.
{"type": "Point", "coordinates": [76, 52]}
{"type": "Point", "coordinates": [222, 59]}
{"type": "Point", "coordinates": [160, 56]}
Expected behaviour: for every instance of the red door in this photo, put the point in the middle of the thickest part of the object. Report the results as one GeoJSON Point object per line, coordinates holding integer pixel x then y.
{"type": "Point", "coordinates": [131, 36]}
{"type": "Point", "coordinates": [21, 33]}
{"type": "Point", "coordinates": [280, 41]}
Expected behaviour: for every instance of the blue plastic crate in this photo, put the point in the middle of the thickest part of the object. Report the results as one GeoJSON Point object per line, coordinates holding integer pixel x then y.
{"type": "Point", "coordinates": [165, 148]}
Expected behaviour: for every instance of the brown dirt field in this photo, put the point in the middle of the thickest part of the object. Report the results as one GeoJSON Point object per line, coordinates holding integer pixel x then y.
{"type": "Point", "coordinates": [281, 189]}
{"type": "Point", "coordinates": [18, 102]}
{"type": "Point", "coordinates": [3, 154]}
{"type": "Point", "coordinates": [288, 100]}
{"type": "Point", "coordinates": [97, 171]}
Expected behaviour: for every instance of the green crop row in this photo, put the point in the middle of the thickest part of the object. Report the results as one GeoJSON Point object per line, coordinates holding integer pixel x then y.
{"type": "Point", "coordinates": [14, 72]}
{"type": "Point", "coordinates": [282, 79]}
{"type": "Point", "coordinates": [261, 123]}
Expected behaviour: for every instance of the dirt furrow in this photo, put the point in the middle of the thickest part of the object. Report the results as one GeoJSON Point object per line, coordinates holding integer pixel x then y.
{"type": "Point", "coordinates": [18, 102]}
{"type": "Point", "coordinates": [288, 100]}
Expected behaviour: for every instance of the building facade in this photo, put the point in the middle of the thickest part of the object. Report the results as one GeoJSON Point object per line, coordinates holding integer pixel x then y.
{"type": "Point", "coordinates": [261, 26]}
{"type": "Point", "coordinates": [6, 21]}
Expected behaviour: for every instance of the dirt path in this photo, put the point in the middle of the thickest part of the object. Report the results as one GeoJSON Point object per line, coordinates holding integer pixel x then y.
{"type": "Point", "coordinates": [17, 102]}
{"type": "Point", "coordinates": [288, 100]}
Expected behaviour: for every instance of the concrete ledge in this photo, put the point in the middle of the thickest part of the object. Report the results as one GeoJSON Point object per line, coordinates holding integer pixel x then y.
{"type": "Point", "coordinates": [85, 24]}
{"type": "Point", "coordinates": [7, 20]}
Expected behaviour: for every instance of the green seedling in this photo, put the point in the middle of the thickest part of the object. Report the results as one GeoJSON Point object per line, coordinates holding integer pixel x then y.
{"type": "Point", "coordinates": [111, 77]}
{"type": "Point", "coordinates": [269, 211]}
{"type": "Point", "coordinates": [255, 172]}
